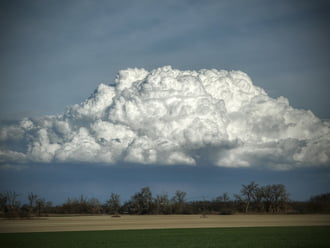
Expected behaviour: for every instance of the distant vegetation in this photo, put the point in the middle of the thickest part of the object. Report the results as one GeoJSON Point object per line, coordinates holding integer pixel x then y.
{"type": "Point", "coordinates": [252, 198]}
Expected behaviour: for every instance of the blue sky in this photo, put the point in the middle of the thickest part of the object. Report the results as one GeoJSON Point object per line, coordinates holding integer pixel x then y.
{"type": "Point", "coordinates": [55, 53]}
{"type": "Point", "coordinates": [57, 183]}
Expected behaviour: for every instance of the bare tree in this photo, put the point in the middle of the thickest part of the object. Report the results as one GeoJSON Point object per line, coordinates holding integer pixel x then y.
{"type": "Point", "coordinates": [239, 203]}
{"type": "Point", "coordinates": [93, 206]}
{"type": "Point", "coordinates": [41, 202]}
{"type": "Point", "coordinates": [180, 196]}
{"type": "Point", "coordinates": [162, 203]}
{"type": "Point", "coordinates": [223, 198]}
{"type": "Point", "coordinates": [11, 199]}
{"type": "Point", "coordinates": [249, 194]}
{"type": "Point", "coordinates": [223, 203]}
{"type": "Point", "coordinates": [141, 202]}
{"type": "Point", "coordinates": [275, 197]}
{"type": "Point", "coordinates": [319, 203]}
{"type": "Point", "coordinates": [32, 200]}
{"type": "Point", "coordinates": [3, 201]}
{"type": "Point", "coordinates": [179, 201]}
{"type": "Point", "coordinates": [113, 203]}
{"type": "Point", "coordinates": [281, 197]}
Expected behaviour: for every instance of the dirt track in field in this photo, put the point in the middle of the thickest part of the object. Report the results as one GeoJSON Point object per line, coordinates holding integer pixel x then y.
{"type": "Point", "coordinates": [125, 222]}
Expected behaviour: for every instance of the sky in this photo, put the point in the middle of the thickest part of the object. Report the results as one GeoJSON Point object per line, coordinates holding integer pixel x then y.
{"type": "Point", "coordinates": [54, 54]}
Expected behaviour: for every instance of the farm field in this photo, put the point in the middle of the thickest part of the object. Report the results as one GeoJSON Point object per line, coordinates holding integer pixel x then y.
{"type": "Point", "coordinates": [316, 236]}
{"type": "Point", "coordinates": [127, 222]}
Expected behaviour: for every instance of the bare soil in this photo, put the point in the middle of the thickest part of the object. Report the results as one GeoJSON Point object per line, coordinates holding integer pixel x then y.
{"type": "Point", "coordinates": [126, 222]}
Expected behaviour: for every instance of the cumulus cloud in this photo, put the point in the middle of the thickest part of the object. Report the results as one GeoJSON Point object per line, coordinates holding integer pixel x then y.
{"type": "Point", "coordinates": [168, 116]}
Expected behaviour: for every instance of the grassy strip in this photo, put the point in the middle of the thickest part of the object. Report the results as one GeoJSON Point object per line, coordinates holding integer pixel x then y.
{"type": "Point", "coordinates": [317, 236]}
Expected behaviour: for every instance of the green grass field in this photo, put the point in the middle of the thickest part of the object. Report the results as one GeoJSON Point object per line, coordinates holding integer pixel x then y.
{"type": "Point", "coordinates": [318, 236]}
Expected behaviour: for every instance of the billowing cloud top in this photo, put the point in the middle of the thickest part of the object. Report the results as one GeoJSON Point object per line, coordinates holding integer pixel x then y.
{"type": "Point", "coordinates": [167, 116]}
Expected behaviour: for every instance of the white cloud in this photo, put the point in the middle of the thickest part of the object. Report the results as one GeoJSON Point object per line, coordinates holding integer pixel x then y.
{"type": "Point", "coordinates": [167, 116]}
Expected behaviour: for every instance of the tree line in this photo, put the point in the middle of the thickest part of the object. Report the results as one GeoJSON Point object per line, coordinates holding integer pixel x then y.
{"type": "Point", "coordinates": [252, 198]}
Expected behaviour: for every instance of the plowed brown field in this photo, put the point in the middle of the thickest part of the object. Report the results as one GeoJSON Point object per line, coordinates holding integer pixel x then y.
{"type": "Point", "coordinates": [125, 222]}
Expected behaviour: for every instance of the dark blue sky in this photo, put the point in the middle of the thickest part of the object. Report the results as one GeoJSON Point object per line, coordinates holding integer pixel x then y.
{"type": "Point", "coordinates": [58, 182]}
{"type": "Point", "coordinates": [55, 53]}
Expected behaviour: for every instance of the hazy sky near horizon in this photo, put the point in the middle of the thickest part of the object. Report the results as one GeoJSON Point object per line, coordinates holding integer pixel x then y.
{"type": "Point", "coordinates": [55, 53]}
